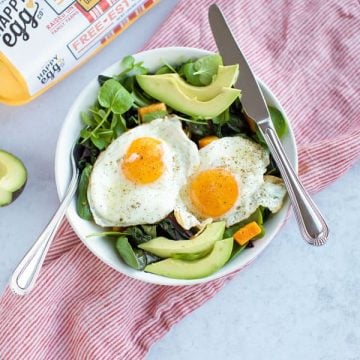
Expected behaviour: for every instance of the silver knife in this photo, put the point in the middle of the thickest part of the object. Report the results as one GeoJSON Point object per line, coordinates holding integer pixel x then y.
{"type": "Point", "coordinates": [311, 223]}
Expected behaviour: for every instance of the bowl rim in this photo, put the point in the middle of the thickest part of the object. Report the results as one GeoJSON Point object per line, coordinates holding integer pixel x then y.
{"type": "Point", "coordinates": [156, 279]}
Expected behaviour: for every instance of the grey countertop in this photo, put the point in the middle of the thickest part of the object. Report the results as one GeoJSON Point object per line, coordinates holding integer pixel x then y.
{"type": "Point", "coordinates": [295, 302]}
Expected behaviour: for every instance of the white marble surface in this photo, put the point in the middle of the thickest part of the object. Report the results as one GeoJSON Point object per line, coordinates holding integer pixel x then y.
{"type": "Point", "coordinates": [295, 302]}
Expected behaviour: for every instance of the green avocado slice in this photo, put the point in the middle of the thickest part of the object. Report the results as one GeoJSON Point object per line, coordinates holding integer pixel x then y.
{"type": "Point", "coordinates": [168, 91]}
{"type": "Point", "coordinates": [12, 172]}
{"type": "Point", "coordinates": [183, 269]}
{"type": "Point", "coordinates": [190, 249]}
{"type": "Point", "coordinates": [226, 77]}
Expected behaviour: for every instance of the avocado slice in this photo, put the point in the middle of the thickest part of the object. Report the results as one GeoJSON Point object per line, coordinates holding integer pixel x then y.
{"type": "Point", "coordinates": [12, 172]}
{"type": "Point", "coordinates": [226, 77]}
{"type": "Point", "coordinates": [183, 269]}
{"type": "Point", "coordinates": [5, 197]}
{"type": "Point", "coordinates": [168, 91]}
{"type": "Point", "coordinates": [190, 249]}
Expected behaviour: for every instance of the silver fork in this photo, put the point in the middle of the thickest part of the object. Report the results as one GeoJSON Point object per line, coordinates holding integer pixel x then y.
{"type": "Point", "coordinates": [24, 277]}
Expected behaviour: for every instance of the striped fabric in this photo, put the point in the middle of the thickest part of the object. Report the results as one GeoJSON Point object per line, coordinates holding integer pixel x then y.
{"type": "Point", "coordinates": [308, 53]}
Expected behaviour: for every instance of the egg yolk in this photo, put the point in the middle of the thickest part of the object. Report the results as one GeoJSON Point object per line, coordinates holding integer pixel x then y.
{"type": "Point", "coordinates": [213, 192]}
{"type": "Point", "coordinates": [143, 163]}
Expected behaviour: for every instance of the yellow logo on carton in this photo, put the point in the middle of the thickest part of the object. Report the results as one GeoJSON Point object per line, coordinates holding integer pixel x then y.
{"type": "Point", "coordinates": [88, 4]}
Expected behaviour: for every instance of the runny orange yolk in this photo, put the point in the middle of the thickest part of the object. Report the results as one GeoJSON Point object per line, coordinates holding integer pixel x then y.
{"type": "Point", "coordinates": [143, 163]}
{"type": "Point", "coordinates": [213, 192]}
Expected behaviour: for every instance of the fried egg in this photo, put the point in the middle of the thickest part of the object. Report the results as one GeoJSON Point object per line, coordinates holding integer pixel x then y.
{"type": "Point", "coordinates": [229, 184]}
{"type": "Point", "coordinates": [136, 180]}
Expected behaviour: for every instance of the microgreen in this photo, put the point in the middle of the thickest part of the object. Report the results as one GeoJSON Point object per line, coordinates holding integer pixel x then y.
{"type": "Point", "coordinates": [114, 97]}
{"type": "Point", "coordinates": [130, 67]}
{"type": "Point", "coordinates": [201, 71]}
{"type": "Point", "coordinates": [114, 100]}
{"type": "Point", "coordinates": [165, 69]}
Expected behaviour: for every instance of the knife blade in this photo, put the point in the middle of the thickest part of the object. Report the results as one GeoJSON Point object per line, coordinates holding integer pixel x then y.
{"type": "Point", "coordinates": [251, 98]}
{"type": "Point", "coordinates": [311, 223]}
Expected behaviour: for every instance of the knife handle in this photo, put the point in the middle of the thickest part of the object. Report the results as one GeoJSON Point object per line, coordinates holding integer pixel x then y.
{"type": "Point", "coordinates": [311, 223]}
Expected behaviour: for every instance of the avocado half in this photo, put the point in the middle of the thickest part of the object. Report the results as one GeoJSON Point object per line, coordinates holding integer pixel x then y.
{"type": "Point", "coordinates": [226, 77]}
{"type": "Point", "coordinates": [172, 91]}
{"type": "Point", "coordinates": [183, 269]}
{"type": "Point", "coordinates": [194, 248]}
{"type": "Point", "coordinates": [13, 177]}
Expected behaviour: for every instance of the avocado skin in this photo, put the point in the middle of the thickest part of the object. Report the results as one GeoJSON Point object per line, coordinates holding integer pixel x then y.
{"type": "Point", "coordinates": [5, 197]}
{"type": "Point", "coordinates": [13, 177]}
{"type": "Point", "coordinates": [196, 269]}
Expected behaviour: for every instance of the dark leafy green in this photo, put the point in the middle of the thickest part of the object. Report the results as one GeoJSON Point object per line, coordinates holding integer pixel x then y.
{"type": "Point", "coordinates": [149, 230]}
{"type": "Point", "coordinates": [137, 235]}
{"type": "Point", "coordinates": [82, 204]}
{"type": "Point", "coordinates": [135, 258]}
{"type": "Point", "coordinates": [103, 78]}
{"type": "Point", "coordinates": [278, 120]}
{"type": "Point", "coordinates": [140, 97]}
{"type": "Point", "coordinates": [223, 118]}
{"type": "Point", "coordinates": [237, 249]}
{"type": "Point", "coordinates": [85, 154]}
{"type": "Point", "coordinates": [279, 124]}
{"type": "Point", "coordinates": [170, 228]}
{"type": "Point", "coordinates": [265, 213]}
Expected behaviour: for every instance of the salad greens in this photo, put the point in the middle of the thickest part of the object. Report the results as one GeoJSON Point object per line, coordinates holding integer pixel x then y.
{"type": "Point", "coordinates": [114, 97]}
{"type": "Point", "coordinates": [132, 256]}
{"type": "Point", "coordinates": [201, 71]}
{"type": "Point", "coordinates": [116, 110]}
{"type": "Point", "coordinates": [82, 204]}
{"type": "Point", "coordinates": [114, 100]}
{"type": "Point", "coordinates": [131, 68]}
{"type": "Point", "coordinates": [279, 124]}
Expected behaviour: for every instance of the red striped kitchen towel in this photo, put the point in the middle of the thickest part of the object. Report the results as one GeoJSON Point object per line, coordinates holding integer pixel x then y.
{"type": "Point", "coordinates": [308, 52]}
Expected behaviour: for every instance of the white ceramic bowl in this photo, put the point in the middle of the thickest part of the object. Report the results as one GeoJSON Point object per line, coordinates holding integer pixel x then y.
{"type": "Point", "coordinates": [101, 247]}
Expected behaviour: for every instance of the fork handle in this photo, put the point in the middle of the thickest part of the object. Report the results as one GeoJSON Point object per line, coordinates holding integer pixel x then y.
{"type": "Point", "coordinates": [25, 275]}
{"type": "Point", "coordinates": [311, 223]}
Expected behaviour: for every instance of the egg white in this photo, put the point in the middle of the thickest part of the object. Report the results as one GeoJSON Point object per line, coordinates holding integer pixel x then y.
{"type": "Point", "coordinates": [247, 161]}
{"type": "Point", "coordinates": [116, 201]}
